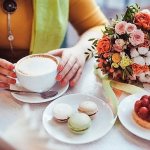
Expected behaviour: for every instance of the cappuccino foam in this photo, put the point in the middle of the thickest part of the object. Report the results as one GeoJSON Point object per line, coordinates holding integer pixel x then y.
{"type": "Point", "coordinates": [36, 65]}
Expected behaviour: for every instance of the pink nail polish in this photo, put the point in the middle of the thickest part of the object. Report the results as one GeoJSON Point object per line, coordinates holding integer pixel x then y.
{"type": "Point", "coordinates": [12, 81]}
{"type": "Point", "coordinates": [63, 83]}
{"type": "Point", "coordinates": [11, 67]}
{"type": "Point", "coordinates": [13, 75]}
{"type": "Point", "coordinates": [60, 67]}
{"type": "Point", "coordinates": [58, 77]}
{"type": "Point", "coordinates": [72, 83]}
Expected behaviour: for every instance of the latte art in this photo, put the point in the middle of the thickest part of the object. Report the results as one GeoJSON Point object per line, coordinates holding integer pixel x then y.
{"type": "Point", "coordinates": [37, 65]}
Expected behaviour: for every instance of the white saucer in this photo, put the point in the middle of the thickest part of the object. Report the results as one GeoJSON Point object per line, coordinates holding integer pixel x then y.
{"type": "Point", "coordinates": [35, 98]}
{"type": "Point", "coordinates": [101, 124]}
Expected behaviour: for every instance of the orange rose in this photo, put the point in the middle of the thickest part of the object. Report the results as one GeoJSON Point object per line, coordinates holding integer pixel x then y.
{"type": "Point", "coordinates": [116, 58]}
{"type": "Point", "coordinates": [139, 68]}
{"type": "Point", "coordinates": [143, 20]}
{"type": "Point", "coordinates": [104, 45]}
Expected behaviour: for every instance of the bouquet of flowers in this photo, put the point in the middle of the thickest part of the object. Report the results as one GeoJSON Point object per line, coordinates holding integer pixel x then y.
{"type": "Point", "coordinates": [123, 53]}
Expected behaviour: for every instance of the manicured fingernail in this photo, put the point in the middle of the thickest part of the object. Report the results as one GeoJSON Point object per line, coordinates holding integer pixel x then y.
{"type": "Point", "coordinates": [13, 75]}
{"type": "Point", "coordinates": [62, 83]}
{"type": "Point", "coordinates": [11, 67]}
{"type": "Point", "coordinates": [60, 67]}
{"type": "Point", "coordinates": [58, 77]}
{"type": "Point", "coordinates": [72, 83]}
{"type": "Point", "coordinates": [12, 81]}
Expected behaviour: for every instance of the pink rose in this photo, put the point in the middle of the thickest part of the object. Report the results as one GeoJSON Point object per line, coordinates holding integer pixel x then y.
{"type": "Point", "coordinates": [117, 48]}
{"type": "Point", "coordinates": [120, 28]}
{"type": "Point", "coordinates": [136, 37]}
{"type": "Point", "coordinates": [120, 42]}
{"type": "Point", "coordinates": [130, 28]}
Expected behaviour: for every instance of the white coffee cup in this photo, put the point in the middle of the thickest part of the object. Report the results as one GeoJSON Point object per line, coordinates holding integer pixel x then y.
{"type": "Point", "coordinates": [37, 72]}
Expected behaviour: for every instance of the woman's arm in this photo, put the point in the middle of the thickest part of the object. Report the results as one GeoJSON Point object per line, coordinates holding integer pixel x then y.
{"type": "Point", "coordinates": [73, 58]}
{"type": "Point", "coordinates": [88, 20]}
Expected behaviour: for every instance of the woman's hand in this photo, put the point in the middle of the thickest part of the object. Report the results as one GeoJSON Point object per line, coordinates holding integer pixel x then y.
{"type": "Point", "coordinates": [71, 64]}
{"type": "Point", "coordinates": [6, 73]}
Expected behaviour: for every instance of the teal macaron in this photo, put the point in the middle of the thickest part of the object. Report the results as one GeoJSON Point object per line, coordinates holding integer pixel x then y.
{"type": "Point", "coordinates": [79, 123]}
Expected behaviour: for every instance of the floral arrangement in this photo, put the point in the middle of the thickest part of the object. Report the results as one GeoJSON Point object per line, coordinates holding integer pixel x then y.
{"type": "Point", "coordinates": [123, 53]}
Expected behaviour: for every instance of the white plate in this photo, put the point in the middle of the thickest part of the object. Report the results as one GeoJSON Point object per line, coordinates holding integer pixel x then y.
{"type": "Point", "coordinates": [35, 98]}
{"type": "Point", "coordinates": [125, 109]}
{"type": "Point", "coordinates": [102, 123]}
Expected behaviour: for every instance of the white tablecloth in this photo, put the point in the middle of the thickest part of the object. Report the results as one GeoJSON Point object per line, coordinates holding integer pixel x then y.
{"type": "Point", "coordinates": [117, 138]}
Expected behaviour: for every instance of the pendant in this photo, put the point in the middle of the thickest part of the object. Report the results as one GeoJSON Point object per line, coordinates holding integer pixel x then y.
{"type": "Point", "coordinates": [9, 6]}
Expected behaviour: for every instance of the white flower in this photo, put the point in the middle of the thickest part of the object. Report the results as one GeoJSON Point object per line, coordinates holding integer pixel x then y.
{"type": "Point", "coordinates": [148, 53]}
{"type": "Point", "coordinates": [139, 60]}
{"type": "Point", "coordinates": [144, 77]}
{"type": "Point", "coordinates": [147, 60]}
{"type": "Point", "coordinates": [148, 73]}
{"type": "Point", "coordinates": [143, 50]}
{"type": "Point", "coordinates": [145, 11]}
{"type": "Point", "coordinates": [134, 53]}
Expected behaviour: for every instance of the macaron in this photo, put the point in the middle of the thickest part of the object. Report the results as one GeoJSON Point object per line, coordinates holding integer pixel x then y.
{"type": "Point", "coordinates": [62, 112]}
{"type": "Point", "coordinates": [79, 123]}
{"type": "Point", "coordinates": [88, 107]}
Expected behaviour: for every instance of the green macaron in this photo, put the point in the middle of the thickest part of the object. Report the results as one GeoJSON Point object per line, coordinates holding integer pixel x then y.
{"type": "Point", "coordinates": [79, 123]}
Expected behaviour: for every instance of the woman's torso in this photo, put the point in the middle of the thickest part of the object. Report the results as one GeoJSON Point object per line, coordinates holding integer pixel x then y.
{"type": "Point", "coordinates": [87, 16]}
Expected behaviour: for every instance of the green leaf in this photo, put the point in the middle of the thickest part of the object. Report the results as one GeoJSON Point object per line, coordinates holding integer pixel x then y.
{"type": "Point", "coordinates": [86, 53]}
{"type": "Point", "coordinates": [95, 42]}
{"type": "Point", "coordinates": [93, 47]}
{"type": "Point", "coordinates": [89, 49]}
{"type": "Point", "coordinates": [91, 39]}
{"type": "Point", "coordinates": [130, 13]}
{"type": "Point", "coordinates": [87, 57]}
{"type": "Point", "coordinates": [128, 68]}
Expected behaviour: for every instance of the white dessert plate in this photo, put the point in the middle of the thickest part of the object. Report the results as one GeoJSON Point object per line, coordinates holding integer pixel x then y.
{"type": "Point", "coordinates": [125, 109]}
{"type": "Point", "coordinates": [101, 124]}
{"type": "Point", "coordinates": [35, 98]}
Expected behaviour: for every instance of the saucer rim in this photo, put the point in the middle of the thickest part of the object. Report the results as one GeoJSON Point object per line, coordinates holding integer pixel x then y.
{"type": "Point", "coordinates": [65, 88]}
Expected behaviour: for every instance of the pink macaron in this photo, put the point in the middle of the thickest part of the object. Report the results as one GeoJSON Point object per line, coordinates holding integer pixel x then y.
{"type": "Point", "coordinates": [62, 112]}
{"type": "Point", "coordinates": [88, 107]}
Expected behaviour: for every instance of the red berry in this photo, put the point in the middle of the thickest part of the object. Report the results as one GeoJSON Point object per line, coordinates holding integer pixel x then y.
{"type": "Point", "coordinates": [144, 96]}
{"type": "Point", "coordinates": [143, 112]}
{"type": "Point", "coordinates": [149, 107]}
{"type": "Point", "coordinates": [149, 98]}
{"type": "Point", "coordinates": [145, 102]}
{"type": "Point", "coordinates": [137, 106]}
